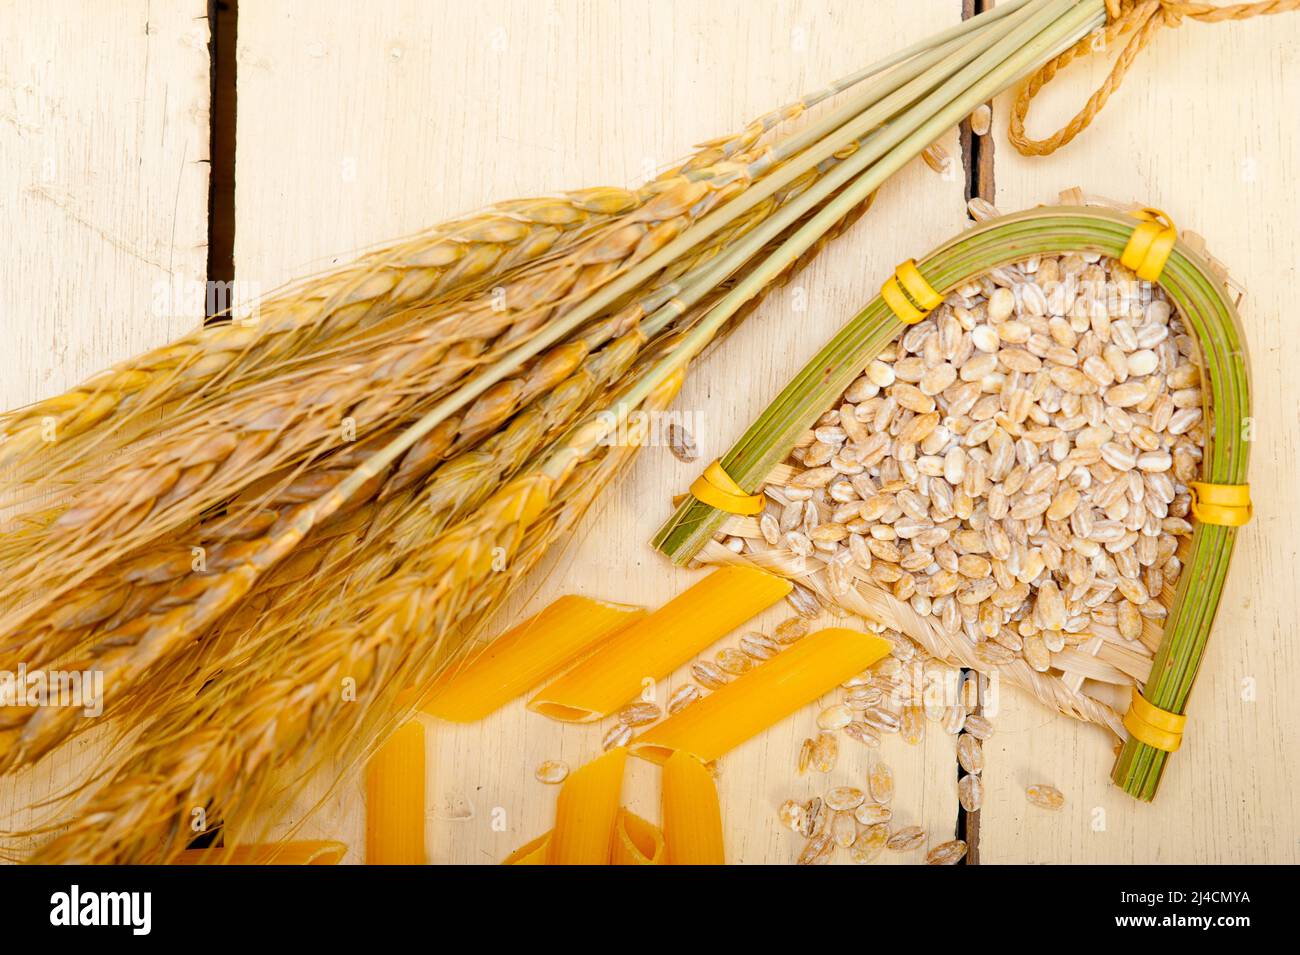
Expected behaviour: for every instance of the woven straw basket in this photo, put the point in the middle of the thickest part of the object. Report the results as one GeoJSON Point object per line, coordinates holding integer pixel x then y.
{"type": "Point", "coordinates": [1092, 680]}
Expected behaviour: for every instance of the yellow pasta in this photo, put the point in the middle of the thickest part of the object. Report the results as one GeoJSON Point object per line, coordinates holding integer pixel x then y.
{"type": "Point", "coordinates": [531, 853]}
{"type": "Point", "coordinates": [692, 817]}
{"type": "Point", "coordinates": [765, 695]}
{"type": "Point", "coordinates": [636, 841]}
{"type": "Point", "coordinates": [395, 800]}
{"type": "Point", "coordinates": [526, 656]}
{"type": "Point", "coordinates": [271, 853]}
{"type": "Point", "coordinates": [586, 811]}
{"type": "Point", "coordinates": [656, 645]}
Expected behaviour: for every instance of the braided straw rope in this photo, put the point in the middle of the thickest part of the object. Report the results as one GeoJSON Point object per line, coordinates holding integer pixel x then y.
{"type": "Point", "coordinates": [1142, 19]}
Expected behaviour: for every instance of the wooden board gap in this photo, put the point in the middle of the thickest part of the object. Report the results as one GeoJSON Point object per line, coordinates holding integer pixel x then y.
{"type": "Point", "coordinates": [224, 20]}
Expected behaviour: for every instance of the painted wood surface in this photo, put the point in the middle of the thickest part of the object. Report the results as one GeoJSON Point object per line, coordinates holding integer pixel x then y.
{"type": "Point", "coordinates": [359, 124]}
{"type": "Point", "coordinates": [103, 214]}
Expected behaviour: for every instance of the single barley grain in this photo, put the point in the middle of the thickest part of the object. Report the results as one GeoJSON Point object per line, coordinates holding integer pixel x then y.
{"type": "Point", "coordinates": [970, 793]}
{"type": "Point", "coordinates": [978, 726]}
{"type": "Point", "coordinates": [818, 850]}
{"type": "Point", "coordinates": [805, 602]}
{"type": "Point", "coordinates": [1045, 796]}
{"type": "Point", "coordinates": [734, 661]}
{"type": "Point", "coordinates": [709, 675]}
{"type": "Point", "coordinates": [790, 630]}
{"type": "Point", "coordinates": [970, 754]}
{"type": "Point", "coordinates": [825, 751]}
{"type": "Point", "coordinates": [906, 839]}
{"type": "Point", "coordinates": [845, 798]}
{"type": "Point", "coordinates": [871, 814]}
{"type": "Point", "coordinates": [682, 444]}
{"type": "Point", "coordinates": [552, 772]}
{"type": "Point", "coordinates": [814, 819]}
{"type": "Point", "coordinates": [880, 781]}
{"type": "Point", "coordinates": [863, 697]}
{"type": "Point", "coordinates": [863, 733]}
{"type": "Point", "coordinates": [954, 719]}
{"type": "Point", "coordinates": [759, 647]}
{"type": "Point", "coordinates": [947, 853]}
{"type": "Point", "coordinates": [806, 756]}
{"type": "Point", "coordinates": [869, 844]}
{"type": "Point", "coordinates": [618, 735]}
{"type": "Point", "coordinates": [835, 717]}
{"type": "Point", "coordinates": [844, 829]}
{"type": "Point", "coordinates": [683, 697]}
{"type": "Point", "coordinates": [886, 721]}
{"type": "Point", "coordinates": [912, 725]}
{"type": "Point", "coordinates": [937, 158]}
{"type": "Point", "coordinates": [639, 713]}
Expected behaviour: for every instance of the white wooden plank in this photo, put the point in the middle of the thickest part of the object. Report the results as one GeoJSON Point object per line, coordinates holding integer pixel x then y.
{"type": "Point", "coordinates": [103, 215]}
{"type": "Point", "coordinates": [355, 126]}
{"type": "Point", "coordinates": [1204, 129]}
{"type": "Point", "coordinates": [104, 126]}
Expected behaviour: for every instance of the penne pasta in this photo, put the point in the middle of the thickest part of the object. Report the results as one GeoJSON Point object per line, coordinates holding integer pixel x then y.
{"type": "Point", "coordinates": [692, 816]}
{"type": "Point", "coordinates": [270, 853]}
{"type": "Point", "coordinates": [655, 645]}
{"type": "Point", "coordinates": [526, 656]}
{"type": "Point", "coordinates": [531, 853]}
{"type": "Point", "coordinates": [762, 697]}
{"type": "Point", "coordinates": [586, 812]}
{"type": "Point", "coordinates": [395, 800]}
{"type": "Point", "coordinates": [636, 841]}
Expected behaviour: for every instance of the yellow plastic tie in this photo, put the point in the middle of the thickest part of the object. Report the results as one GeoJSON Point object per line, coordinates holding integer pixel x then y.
{"type": "Point", "coordinates": [1150, 244]}
{"type": "Point", "coordinates": [909, 295]}
{"type": "Point", "coordinates": [1227, 505]}
{"type": "Point", "coordinates": [716, 488]}
{"type": "Point", "coordinates": [1150, 724]}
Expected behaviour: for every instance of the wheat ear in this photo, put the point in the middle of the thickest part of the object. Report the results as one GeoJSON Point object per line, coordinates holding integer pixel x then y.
{"type": "Point", "coordinates": [456, 486]}
{"type": "Point", "coordinates": [96, 599]}
{"type": "Point", "coordinates": [202, 460]}
{"type": "Point", "coordinates": [226, 746]}
{"type": "Point", "coordinates": [466, 254]}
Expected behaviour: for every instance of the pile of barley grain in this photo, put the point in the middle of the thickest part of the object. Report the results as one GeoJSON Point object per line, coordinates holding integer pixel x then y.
{"type": "Point", "coordinates": [896, 696]}
{"type": "Point", "coordinates": [1015, 466]}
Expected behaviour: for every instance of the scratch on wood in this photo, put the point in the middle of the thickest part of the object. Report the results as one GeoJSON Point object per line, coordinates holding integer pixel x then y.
{"type": "Point", "coordinates": [63, 201]}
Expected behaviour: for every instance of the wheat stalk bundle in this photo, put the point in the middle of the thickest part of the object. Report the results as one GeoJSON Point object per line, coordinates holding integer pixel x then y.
{"type": "Point", "coordinates": [226, 743]}
{"type": "Point", "coordinates": [363, 546]}
{"type": "Point", "coordinates": [138, 626]}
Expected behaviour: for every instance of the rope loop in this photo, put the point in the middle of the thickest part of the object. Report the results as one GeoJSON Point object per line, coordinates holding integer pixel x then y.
{"type": "Point", "coordinates": [1140, 18]}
